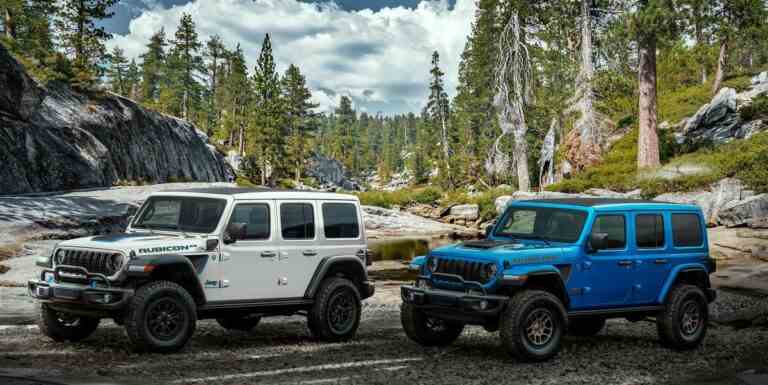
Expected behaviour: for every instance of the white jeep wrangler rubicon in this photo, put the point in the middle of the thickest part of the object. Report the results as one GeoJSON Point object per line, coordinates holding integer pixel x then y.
{"type": "Point", "coordinates": [231, 254]}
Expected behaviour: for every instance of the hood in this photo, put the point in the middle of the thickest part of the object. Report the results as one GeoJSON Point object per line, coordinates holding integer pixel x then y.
{"type": "Point", "coordinates": [141, 243]}
{"type": "Point", "coordinates": [513, 252]}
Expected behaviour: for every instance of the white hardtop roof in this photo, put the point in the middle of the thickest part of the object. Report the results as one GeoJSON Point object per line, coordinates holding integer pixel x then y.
{"type": "Point", "coordinates": [240, 193]}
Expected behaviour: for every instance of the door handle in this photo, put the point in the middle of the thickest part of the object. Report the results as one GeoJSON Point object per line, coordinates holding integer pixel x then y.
{"type": "Point", "coordinates": [625, 263]}
{"type": "Point", "coordinates": [268, 254]}
{"type": "Point", "coordinates": [660, 261]}
{"type": "Point", "coordinates": [309, 253]}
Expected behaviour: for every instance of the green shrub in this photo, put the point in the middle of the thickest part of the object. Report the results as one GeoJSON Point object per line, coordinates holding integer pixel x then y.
{"type": "Point", "coordinates": [428, 195]}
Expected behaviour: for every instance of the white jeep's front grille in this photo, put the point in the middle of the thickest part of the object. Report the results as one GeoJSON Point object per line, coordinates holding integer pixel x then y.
{"type": "Point", "coordinates": [95, 261]}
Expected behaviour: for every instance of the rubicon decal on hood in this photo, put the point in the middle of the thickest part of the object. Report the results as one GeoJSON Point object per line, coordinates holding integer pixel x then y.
{"type": "Point", "coordinates": [167, 249]}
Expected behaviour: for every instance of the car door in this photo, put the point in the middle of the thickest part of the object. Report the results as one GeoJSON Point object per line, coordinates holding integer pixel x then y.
{"type": "Point", "coordinates": [299, 255]}
{"type": "Point", "coordinates": [651, 256]}
{"type": "Point", "coordinates": [250, 266]}
{"type": "Point", "coordinates": [610, 269]}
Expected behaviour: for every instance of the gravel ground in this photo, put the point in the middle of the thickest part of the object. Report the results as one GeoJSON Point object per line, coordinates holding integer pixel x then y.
{"type": "Point", "coordinates": [280, 350]}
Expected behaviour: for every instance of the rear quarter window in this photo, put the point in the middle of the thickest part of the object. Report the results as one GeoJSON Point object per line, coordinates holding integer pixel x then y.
{"type": "Point", "coordinates": [686, 230]}
{"type": "Point", "coordinates": [340, 220]}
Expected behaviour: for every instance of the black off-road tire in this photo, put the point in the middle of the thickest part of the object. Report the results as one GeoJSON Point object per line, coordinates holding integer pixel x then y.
{"type": "Point", "coordinates": [539, 312]}
{"type": "Point", "coordinates": [243, 323]}
{"type": "Point", "coordinates": [428, 331]}
{"type": "Point", "coordinates": [335, 315]}
{"type": "Point", "coordinates": [62, 327]}
{"type": "Point", "coordinates": [683, 324]}
{"type": "Point", "coordinates": [146, 323]}
{"type": "Point", "coordinates": [585, 326]}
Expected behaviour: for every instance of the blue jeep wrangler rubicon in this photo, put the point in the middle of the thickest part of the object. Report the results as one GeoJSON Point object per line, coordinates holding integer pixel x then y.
{"type": "Point", "coordinates": [551, 267]}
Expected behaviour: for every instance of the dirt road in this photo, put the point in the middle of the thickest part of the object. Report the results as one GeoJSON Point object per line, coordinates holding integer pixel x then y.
{"type": "Point", "coordinates": [280, 350]}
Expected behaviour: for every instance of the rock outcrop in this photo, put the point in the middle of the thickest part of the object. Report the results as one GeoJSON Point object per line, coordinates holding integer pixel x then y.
{"type": "Point", "coordinates": [719, 121]}
{"type": "Point", "coordinates": [330, 173]}
{"type": "Point", "coordinates": [56, 138]}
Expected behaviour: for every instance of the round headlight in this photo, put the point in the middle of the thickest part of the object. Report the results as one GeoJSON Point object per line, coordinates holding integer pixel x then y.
{"type": "Point", "coordinates": [431, 264]}
{"type": "Point", "coordinates": [115, 262]}
{"type": "Point", "coordinates": [490, 270]}
{"type": "Point", "coordinates": [58, 257]}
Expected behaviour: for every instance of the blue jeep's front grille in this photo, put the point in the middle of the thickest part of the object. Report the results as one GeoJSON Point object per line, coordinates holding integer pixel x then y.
{"type": "Point", "coordinates": [468, 270]}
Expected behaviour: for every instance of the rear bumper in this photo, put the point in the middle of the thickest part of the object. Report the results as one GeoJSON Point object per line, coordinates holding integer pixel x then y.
{"type": "Point", "coordinates": [455, 305]}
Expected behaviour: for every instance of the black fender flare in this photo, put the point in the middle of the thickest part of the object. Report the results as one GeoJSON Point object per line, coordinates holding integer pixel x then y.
{"type": "Point", "coordinates": [328, 264]}
{"type": "Point", "coordinates": [173, 267]}
{"type": "Point", "coordinates": [544, 279]}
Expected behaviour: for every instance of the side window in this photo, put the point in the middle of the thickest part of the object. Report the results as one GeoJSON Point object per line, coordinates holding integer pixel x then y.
{"type": "Point", "coordinates": [686, 230]}
{"type": "Point", "coordinates": [649, 231]}
{"type": "Point", "coordinates": [615, 227]}
{"type": "Point", "coordinates": [297, 221]}
{"type": "Point", "coordinates": [256, 218]}
{"type": "Point", "coordinates": [340, 220]}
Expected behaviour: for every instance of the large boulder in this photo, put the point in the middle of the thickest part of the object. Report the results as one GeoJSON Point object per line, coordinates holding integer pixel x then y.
{"type": "Point", "coordinates": [57, 138]}
{"type": "Point", "coordinates": [711, 201]}
{"type": "Point", "coordinates": [469, 212]}
{"type": "Point", "coordinates": [743, 212]}
{"type": "Point", "coordinates": [716, 122]}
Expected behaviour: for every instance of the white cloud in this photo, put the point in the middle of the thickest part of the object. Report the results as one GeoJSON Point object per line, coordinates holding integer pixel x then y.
{"type": "Point", "coordinates": [380, 58]}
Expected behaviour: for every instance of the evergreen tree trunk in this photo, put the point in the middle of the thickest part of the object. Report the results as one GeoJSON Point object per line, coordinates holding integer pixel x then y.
{"type": "Point", "coordinates": [721, 62]}
{"type": "Point", "coordinates": [648, 141]}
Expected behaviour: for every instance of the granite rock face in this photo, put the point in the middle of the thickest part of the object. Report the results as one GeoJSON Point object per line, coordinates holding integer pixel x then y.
{"type": "Point", "coordinates": [56, 138]}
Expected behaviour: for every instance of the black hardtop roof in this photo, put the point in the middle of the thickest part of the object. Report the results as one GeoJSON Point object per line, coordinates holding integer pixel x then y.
{"type": "Point", "coordinates": [591, 202]}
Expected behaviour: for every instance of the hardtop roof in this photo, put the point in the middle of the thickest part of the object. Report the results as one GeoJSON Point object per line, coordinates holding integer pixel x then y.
{"type": "Point", "coordinates": [611, 203]}
{"type": "Point", "coordinates": [260, 193]}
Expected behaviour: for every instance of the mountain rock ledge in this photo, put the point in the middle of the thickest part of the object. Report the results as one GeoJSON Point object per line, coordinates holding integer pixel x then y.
{"type": "Point", "coordinates": [56, 138]}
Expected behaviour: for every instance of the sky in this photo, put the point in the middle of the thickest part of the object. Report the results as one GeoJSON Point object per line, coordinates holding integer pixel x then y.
{"type": "Point", "coordinates": [377, 52]}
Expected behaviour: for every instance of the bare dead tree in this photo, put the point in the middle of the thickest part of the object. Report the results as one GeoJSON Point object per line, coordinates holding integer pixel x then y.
{"type": "Point", "coordinates": [513, 80]}
{"type": "Point", "coordinates": [547, 157]}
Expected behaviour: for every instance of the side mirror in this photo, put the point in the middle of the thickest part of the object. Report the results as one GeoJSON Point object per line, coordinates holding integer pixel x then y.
{"type": "Point", "coordinates": [234, 232]}
{"type": "Point", "coordinates": [488, 231]}
{"type": "Point", "coordinates": [597, 241]}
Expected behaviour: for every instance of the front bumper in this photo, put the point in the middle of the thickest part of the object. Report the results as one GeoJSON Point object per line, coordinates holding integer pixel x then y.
{"type": "Point", "coordinates": [92, 292]}
{"type": "Point", "coordinates": [458, 305]}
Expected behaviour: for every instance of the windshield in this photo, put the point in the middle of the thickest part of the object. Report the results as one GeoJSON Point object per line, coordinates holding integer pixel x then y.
{"type": "Point", "coordinates": [196, 215]}
{"type": "Point", "coordinates": [549, 224]}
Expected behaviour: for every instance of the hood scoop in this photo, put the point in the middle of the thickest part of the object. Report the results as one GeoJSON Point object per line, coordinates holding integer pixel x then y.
{"type": "Point", "coordinates": [485, 244]}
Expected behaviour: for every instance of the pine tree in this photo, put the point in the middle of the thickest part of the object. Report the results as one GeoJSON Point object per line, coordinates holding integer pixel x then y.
{"type": "Point", "coordinates": [214, 54]}
{"type": "Point", "coordinates": [345, 132]}
{"type": "Point", "coordinates": [236, 97]}
{"type": "Point", "coordinates": [187, 64]}
{"type": "Point", "coordinates": [152, 68]}
{"type": "Point", "coordinates": [133, 80]}
{"type": "Point", "coordinates": [734, 17]}
{"type": "Point", "coordinates": [117, 72]}
{"type": "Point", "coordinates": [299, 116]}
{"type": "Point", "coordinates": [27, 33]}
{"type": "Point", "coordinates": [651, 20]}
{"type": "Point", "coordinates": [82, 39]}
{"type": "Point", "coordinates": [474, 111]}
{"type": "Point", "coordinates": [438, 110]}
{"type": "Point", "coordinates": [267, 130]}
